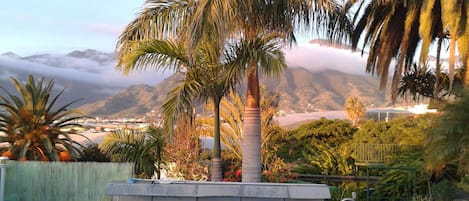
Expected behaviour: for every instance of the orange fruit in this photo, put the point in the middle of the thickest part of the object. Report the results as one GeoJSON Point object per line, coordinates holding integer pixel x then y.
{"type": "Point", "coordinates": [23, 159]}
{"type": "Point", "coordinates": [65, 156]}
{"type": "Point", "coordinates": [8, 154]}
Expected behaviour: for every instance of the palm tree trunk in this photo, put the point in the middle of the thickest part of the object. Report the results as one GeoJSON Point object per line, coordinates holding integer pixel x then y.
{"type": "Point", "coordinates": [251, 163]}
{"type": "Point", "coordinates": [436, 90]}
{"type": "Point", "coordinates": [216, 161]}
{"type": "Point", "coordinates": [452, 57]}
{"type": "Point", "coordinates": [466, 77]}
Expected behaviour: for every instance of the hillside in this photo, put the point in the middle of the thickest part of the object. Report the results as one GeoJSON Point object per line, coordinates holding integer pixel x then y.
{"type": "Point", "coordinates": [300, 90]}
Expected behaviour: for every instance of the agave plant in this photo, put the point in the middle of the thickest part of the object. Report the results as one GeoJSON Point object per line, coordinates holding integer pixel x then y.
{"type": "Point", "coordinates": [34, 127]}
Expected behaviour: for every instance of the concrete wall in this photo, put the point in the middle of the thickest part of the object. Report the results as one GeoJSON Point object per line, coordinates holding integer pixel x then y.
{"type": "Point", "coordinates": [215, 191]}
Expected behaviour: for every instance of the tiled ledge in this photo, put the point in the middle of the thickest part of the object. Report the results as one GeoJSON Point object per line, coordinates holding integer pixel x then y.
{"type": "Point", "coordinates": [220, 191]}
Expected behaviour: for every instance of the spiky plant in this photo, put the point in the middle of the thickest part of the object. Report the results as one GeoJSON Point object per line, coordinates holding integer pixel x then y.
{"type": "Point", "coordinates": [34, 127]}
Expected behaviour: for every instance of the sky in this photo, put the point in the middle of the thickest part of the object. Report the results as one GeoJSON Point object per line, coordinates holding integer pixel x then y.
{"type": "Point", "coordinates": [59, 26]}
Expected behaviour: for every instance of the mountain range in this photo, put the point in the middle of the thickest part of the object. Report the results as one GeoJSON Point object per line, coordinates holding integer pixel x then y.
{"type": "Point", "coordinates": [300, 91]}
{"type": "Point", "coordinates": [90, 75]}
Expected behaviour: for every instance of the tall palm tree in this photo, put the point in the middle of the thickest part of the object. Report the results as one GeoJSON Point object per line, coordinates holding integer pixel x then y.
{"type": "Point", "coordinates": [34, 126]}
{"type": "Point", "coordinates": [145, 149]}
{"type": "Point", "coordinates": [248, 20]}
{"type": "Point", "coordinates": [236, 20]}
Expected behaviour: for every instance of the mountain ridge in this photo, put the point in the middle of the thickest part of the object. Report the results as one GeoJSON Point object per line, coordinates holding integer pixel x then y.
{"type": "Point", "coordinates": [300, 91]}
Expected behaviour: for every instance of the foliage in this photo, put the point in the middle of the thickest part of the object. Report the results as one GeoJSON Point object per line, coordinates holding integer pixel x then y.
{"type": "Point", "coordinates": [442, 191]}
{"type": "Point", "coordinates": [275, 169]}
{"type": "Point", "coordinates": [320, 147]}
{"type": "Point", "coordinates": [407, 130]}
{"type": "Point", "coordinates": [233, 174]}
{"type": "Point", "coordinates": [420, 83]}
{"type": "Point", "coordinates": [399, 173]}
{"type": "Point", "coordinates": [35, 127]}
{"type": "Point", "coordinates": [345, 191]}
{"type": "Point", "coordinates": [184, 158]}
{"type": "Point", "coordinates": [330, 132]}
{"type": "Point", "coordinates": [145, 149]}
{"type": "Point", "coordinates": [282, 144]}
{"type": "Point", "coordinates": [323, 159]}
{"type": "Point", "coordinates": [355, 109]}
{"type": "Point", "coordinates": [447, 142]}
{"type": "Point", "coordinates": [92, 152]}
{"type": "Point", "coordinates": [308, 137]}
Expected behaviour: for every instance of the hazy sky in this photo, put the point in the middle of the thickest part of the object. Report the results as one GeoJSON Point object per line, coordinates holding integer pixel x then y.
{"type": "Point", "coordinates": [59, 26]}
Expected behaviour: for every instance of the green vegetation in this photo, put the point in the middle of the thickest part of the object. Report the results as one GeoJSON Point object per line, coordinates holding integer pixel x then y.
{"type": "Point", "coordinates": [35, 127]}
{"type": "Point", "coordinates": [447, 142]}
{"type": "Point", "coordinates": [355, 109]}
{"type": "Point", "coordinates": [145, 149]}
{"type": "Point", "coordinates": [223, 23]}
{"type": "Point", "coordinates": [220, 42]}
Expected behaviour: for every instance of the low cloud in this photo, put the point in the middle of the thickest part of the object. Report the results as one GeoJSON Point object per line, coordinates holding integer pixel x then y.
{"type": "Point", "coordinates": [318, 58]}
{"type": "Point", "coordinates": [103, 72]}
{"type": "Point", "coordinates": [78, 69]}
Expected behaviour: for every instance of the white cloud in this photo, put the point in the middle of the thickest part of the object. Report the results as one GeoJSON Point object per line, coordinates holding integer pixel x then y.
{"type": "Point", "coordinates": [317, 58]}
{"type": "Point", "coordinates": [309, 56]}
{"type": "Point", "coordinates": [79, 69]}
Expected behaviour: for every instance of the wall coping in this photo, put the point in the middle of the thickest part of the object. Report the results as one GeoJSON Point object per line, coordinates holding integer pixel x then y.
{"type": "Point", "coordinates": [219, 189]}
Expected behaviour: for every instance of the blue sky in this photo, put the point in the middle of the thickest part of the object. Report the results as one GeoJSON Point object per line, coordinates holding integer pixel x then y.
{"type": "Point", "coordinates": [59, 26]}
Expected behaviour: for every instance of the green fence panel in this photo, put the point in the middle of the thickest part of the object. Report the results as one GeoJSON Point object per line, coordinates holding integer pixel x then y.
{"type": "Point", "coordinates": [62, 181]}
{"type": "Point", "coordinates": [379, 153]}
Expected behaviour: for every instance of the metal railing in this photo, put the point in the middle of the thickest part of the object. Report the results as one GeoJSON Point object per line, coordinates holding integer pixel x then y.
{"type": "Point", "coordinates": [379, 153]}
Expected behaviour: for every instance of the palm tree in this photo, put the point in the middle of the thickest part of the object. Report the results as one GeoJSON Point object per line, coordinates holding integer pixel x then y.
{"type": "Point", "coordinates": [35, 127]}
{"type": "Point", "coordinates": [419, 83]}
{"type": "Point", "coordinates": [245, 21]}
{"type": "Point", "coordinates": [393, 29]}
{"type": "Point", "coordinates": [355, 109]}
{"type": "Point", "coordinates": [202, 78]}
{"type": "Point", "coordinates": [145, 149]}
{"type": "Point", "coordinates": [143, 44]}
{"type": "Point", "coordinates": [249, 20]}
{"type": "Point", "coordinates": [231, 111]}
